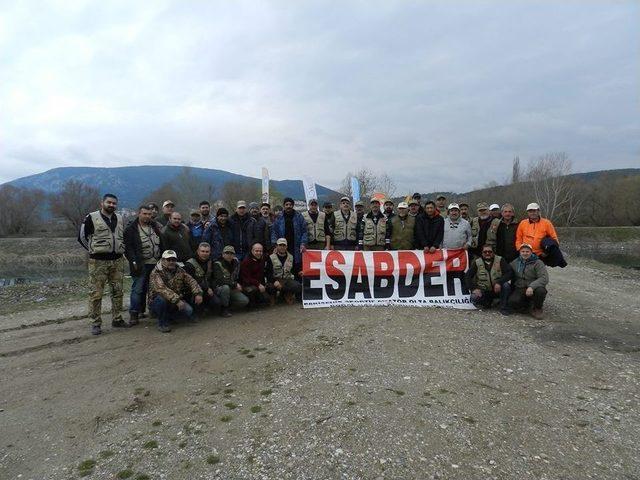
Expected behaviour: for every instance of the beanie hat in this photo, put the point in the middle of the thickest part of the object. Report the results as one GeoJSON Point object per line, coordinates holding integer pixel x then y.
{"type": "Point", "coordinates": [222, 211]}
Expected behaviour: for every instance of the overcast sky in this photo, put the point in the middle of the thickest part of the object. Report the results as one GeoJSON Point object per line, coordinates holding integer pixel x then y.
{"type": "Point", "coordinates": [440, 95]}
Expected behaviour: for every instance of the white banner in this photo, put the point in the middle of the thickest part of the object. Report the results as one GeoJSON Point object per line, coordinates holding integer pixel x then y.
{"type": "Point", "coordinates": [265, 185]}
{"type": "Point", "coordinates": [309, 189]}
{"type": "Point", "coordinates": [401, 277]}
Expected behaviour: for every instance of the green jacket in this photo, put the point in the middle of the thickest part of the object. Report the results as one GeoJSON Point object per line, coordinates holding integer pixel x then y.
{"type": "Point", "coordinates": [401, 231]}
{"type": "Point", "coordinates": [532, 273]}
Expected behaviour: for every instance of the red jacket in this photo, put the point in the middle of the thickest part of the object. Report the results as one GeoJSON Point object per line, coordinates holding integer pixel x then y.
{"type": "Point", "coordinates": [252, 271]}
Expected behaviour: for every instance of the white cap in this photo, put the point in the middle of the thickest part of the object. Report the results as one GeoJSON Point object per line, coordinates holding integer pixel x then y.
{"type": "Point", "coordinates": [453, 205]}
{"type": "Point", "coordinates": [403, 205]}
{"type": "Point", "coordinates": [281, 241]}
{"type": "Point", "coordinates": [169, 254]}
{"type": "Point", "coordinates": [533, 206]}
{"type": "Point", "coordinates": [167, 202]}
{"type": "Point", "coordinates": [494, 206]}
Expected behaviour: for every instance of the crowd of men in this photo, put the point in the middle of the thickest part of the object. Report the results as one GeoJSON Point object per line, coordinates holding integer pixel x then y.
{"type": "Point", "coordinates": [253, 257]}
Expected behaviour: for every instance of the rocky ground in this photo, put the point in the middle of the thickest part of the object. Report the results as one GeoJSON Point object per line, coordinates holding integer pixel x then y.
{"type": "Point", "coordinates": [286, 393]}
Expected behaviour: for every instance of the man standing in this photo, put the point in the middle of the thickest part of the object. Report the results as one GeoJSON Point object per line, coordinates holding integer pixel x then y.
{"type": "Point", "coordinates": [318, 227]}
{"type": "Point", "coordinates": [402, 229]}
{"type": "Point", "coordinates": [267, 217]}
{"type": "Point", "coordinates": [142, 249]}
{"type": "Point", "coordinates": [480, 226]}
{"type": "Point", "coordinates": [494, 210]}
{"type": "Point", "coordinates": [541, 235]}
{"type": "Point", "coordinates": [261, 229]}
{"type": "Point", "coordinates": [327, 209]}
{"type": "Point", "coordinates": [226, 284]}
{"type": "Point", "coordinates": [175, 236]}
{"type": "Point", "coordinates": [280, 274]}
{"type": "Point", "coordinates": [388, 209]}
{"type": "Point", "coordinates": [219, 234]}
{"type": "Point", "coordinates": [414, 208]}
{"type": "Point", "coordinates": [102, 234]}
{"type": "Point", "coordinates": [243, 228]}
{"type": "Point", "coordinates": [488, 278]}
{"type": "Point", "coordinates": [464, 211]}
{"type": "Point", "coordinates": [200, 268]}
{"type": "Point", "coordinates": [530, 279]}
{"type": "Point", "coordinates": [457, 231]}
{"type": "Point", "coordinates": [205, 213]}
{"type": "Point", "coordinates": [252, 276]}
{"type": "Point", "coordinates": [344, 226]}
{"type": "Point", "coordinates": [429, 230]}
{"type": "Point", "coordinates": [196, 229]}
{"type": "Point", "coordinates": [167, 209]}
{"type": "Point", "coordinates": [505, 234]}
{"type": "Point", "coordinates": [441, 205]}
{"type": "Point", "coordinates": [168, 284]}
{"type": "Point", "coordinates": [373, 232]}
{"type": "Point", "coordinates": [291, 225]}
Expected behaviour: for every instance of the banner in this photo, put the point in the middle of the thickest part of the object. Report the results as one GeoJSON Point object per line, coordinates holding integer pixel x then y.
{"type": "Point", "coordinates": [355, 190]}
{"type": "Point", "coordinates": [265, 185]}
{"type": "Point", "coordinates": [401, 277]}
{"type": "Point", "coordinates": [309, 189]}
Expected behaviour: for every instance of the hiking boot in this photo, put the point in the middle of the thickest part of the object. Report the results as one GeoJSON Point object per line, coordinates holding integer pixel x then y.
{"type": "Point", "coordinates": [164, 328]}
{"type": "Point", "coordinates": [119, 324]}
{"type": "Point", "coordinates": [506, 312]}
{"type": "Point", "coordinates": [225, 312]}
{"type": "Point", "coordinates": [133, 318]}
{"type": "Point", "coordinates": [96, 330]}
{"type": "Point", "coordinates": [290, 298]}
{"type": "Point", "coordinates": [537, 313]}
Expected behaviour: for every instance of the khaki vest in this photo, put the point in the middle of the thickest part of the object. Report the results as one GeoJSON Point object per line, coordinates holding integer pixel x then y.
{"type": "Point", "coordinates": [200, 273]}
{"type": "Point", "coordinates": [103, 240]}
{"type": "Point", "coordinates": [373, 235]}
{"type": "Point", "coordinates": [315, 230]}
{"type": "Point", "coordinates": [402, 235]}
{"type": "Point", "coordinates": [280, 270]}
{"type": "Point", "coordinates": [150, 244]}
{"type": "Point", "coordinates": [226, 274]}
{"type": "Point", "coordinates": [475, 232]}
{"type": "Point", "coordinates": [345, 230]}
{"type": "Point", "coordinates": [486, 279]}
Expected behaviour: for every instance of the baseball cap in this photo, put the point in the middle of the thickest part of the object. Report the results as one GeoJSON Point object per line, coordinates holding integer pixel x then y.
{"type": "Point", "coordinates": [375, 200]}
{"type": "Point", "coordinates": [196, 212]}
{"type": "Point", "coordinates": [241, 203]}
{"type": "Point", "coordinates": [229, 249]}
{"type": "Point", "coordinates": [313, 200]}
{"type": "Point", "coordinates": [403, 205]}
{"type": "Point", "coordinates": [525, 245]}
{"type": "Point", "coordinates": [169, 254]}
{"type": "Point", "coordinates": [168, 202]}
{"type": "Point", "coordinates": [388, 200]}
{"type": "Point", "coordinates": [253, 205]}
{"type": "Point", "coordinates": [453, 205]}
{"type": "Point", "coordinates": [482, 206]}
{"type": "Point", "coordinates": [441, 196]}
{"type": "Point", "coordinates": [414, 201]}
{"type": "Point", "coordinates": [327, 205]}
{"type": "Point", "coordinates": [533, 206]}
{"type": "Point", "coordinates": [494, 206]}
{"type": "Point", "coordinates": [342, 199]}
{"type": "Point", "coordinates": [281, 241]}
{"type": "Point", "coordinates": [359, 203]}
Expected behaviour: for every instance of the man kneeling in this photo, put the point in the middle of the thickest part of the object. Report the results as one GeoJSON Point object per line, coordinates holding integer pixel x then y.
{"type": "Point", "coordinates": [530, 278]}
{"type": "Point", "coordinates": [280, 275]}
{"type": "Point", "coordinates": [226, 272]}
{"type": "Point", "coordinates": [252, 277]}
{"type": "Point", "coordinates": [199, 267]}
{"type": "Point", "coordinates": [488, 278]}
{"type": "Point", "coordinates": [167, 284]}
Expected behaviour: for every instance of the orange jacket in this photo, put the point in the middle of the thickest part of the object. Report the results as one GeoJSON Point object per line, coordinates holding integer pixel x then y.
{"type": "Point", "coordinates": [533, 233]}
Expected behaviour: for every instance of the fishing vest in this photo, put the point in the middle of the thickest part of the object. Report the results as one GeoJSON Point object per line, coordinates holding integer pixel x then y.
{"type": "Point", "coordinates": [282, 270]}
{"type": "Point", "coordinates": [315, 230]}
{"type": "Point", "coordinates": [103, 240]}
{"type": "Point", "coordinates": [200, 274]}
{"type": "Point", "coordinates": [227, 275]}
{"type": "Point", "coordinates": [475, 232]}
{"type": "Point", "coordinates": [402, 234]}
{"type": "Point", "coordinates": [345, 229]}
{"type": "Point", "coordinates": [150, 244]}
{"type": "Point", "coordinates": [374, 234]}
{"type": "Point", "coordinates": [487, 278]}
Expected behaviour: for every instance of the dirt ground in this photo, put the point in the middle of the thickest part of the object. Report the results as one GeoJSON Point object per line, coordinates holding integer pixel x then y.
{"type": "Point", "coordinates": [286, 393]}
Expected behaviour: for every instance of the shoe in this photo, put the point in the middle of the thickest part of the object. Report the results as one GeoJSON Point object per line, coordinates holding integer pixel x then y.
{"type": "Point", "coordinates": [164, 328]}
{"type": "Point", "coordinates": [142, 315]}
{"type": "Point", "coordinates": [537, 313]}
{"type": "Point", "coordinates": [225, 312]}
{"type": "Point", "coordinates": [289, 298]}
{"type": "Point", "coordinates": [505, 312]}
{"type": "Point", "coordinates": [96, 330]}
{"type": "Point", "coordinates": [119, 324]}
{"type": "Point", "coordinates": [133, 318]}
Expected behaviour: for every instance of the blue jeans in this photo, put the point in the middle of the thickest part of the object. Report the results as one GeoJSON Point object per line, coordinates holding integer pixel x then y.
{"type": "Point", "coordinates": [167, 311]}
{"type": "Point", "coordinates": [138, 299]}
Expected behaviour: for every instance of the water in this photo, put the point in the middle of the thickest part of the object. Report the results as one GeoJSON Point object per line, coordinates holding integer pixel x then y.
{"type": "Point", "coordinates": [41, 276]}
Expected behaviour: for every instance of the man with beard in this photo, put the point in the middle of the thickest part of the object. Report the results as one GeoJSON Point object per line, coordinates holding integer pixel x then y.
{"type": "Point", "coordinates": [142, 249]}
{"type": "Point", "coordinates": [261, 229]}
{"type": "Point", "coordinates": [441, 205]}
{"type": "Point", "coordinates": [175, 236]}
{"type": "Point", "coordinates": [414, 208]}
{"type": "Point", "coordinates": [205, 213]}
{"type": "Point", "coordinates": [344, 226]}
{"type": "Point", "coordinates": [102, 234]}
{"type": "Point", "coordinates": [488, 279]}
{"type": "Point", "coordinates": [281, 277]}
{"type": "Point", "coordinates": [243, 227]}
{"type": "Point", "coordinates": [402, 229]}
{"type": "Point", "coordinates": [480, 226]}
{"type": "Point", "coordinates": [168, 284]}
{"type": "Point", "coordinates": [504, 237]}
{"type": "Point", "coordinates": [373, 232]}
{"type": "Point", "coordinates": [388, 209]}
{"type": "Point", "coordinates": [291, 225]}
{"type": "Point", "coordinates": [219, 234]}
{"type": "Point", "coordinates": [200, 268]}
{"type": "Point", "coordinates": [226, 282]}
{"type": "Point", "coordinates": [167, 209]}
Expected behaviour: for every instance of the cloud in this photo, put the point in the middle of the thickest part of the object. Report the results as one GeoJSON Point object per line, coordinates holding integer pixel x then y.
{"type": "Point", "coordinates": [440, 96]}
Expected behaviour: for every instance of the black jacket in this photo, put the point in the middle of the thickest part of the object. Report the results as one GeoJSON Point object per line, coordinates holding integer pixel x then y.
{"type": "Point", "coordinates": [428, 231]}
{"type": "Point", "coordinates": [506, 241]}
{"type": "Point", "coordinates": [133, 245]}
{"type": "Point", "coordinates": [243, 229]}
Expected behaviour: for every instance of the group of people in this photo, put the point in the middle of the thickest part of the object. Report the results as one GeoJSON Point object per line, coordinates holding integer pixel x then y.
{"type": "Point", "coordinates": [253, 257]}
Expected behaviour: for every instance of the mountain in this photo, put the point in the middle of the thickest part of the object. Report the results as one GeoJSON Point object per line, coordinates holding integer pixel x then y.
{"type": "Point", "coordinates": [132, 184]}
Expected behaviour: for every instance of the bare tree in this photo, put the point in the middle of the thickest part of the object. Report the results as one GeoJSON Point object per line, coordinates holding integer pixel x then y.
{"type": "Point", "coordinates": [386, 185]}
{"type": "Point", "coordinates": [370, 183]}
{"type": "Point", "coordinates": [74, 201]}
{"type": "Point", "coordinates": [249, 191]}
{"type": "Point", "coordinates": [515, 171]}
{"type": "Point", "coordinates": [186, 190]}
{"type": "Point", "coordinates": [21, 210]}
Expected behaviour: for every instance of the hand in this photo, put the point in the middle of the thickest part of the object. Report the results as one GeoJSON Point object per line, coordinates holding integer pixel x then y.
{"type": "Point", "coordinates": [181, 304]}
{"type": "Point", "coordinates": [210, 292]}
{"type": "Point", "coordinates": [497, 288]}
{"type": "Point", "coordinates": [303, 248]}
{"type": "Point", "coordinates": [477, 292]}
{"type": "Point", "coordinates": [238, 287]}
{"type": "Point", "coordinates": [301, 273]}
{"type": "Point", "coordinates": [277, 284]}
{"type": "Point", "coordinates": [261, 288]}
{"type": "Point", "coordinates": [432, 249]}
{"type": "Point", "coordinates": [198, 299]}
{"type": "Point", "coordinates": [529, 292]}
{"type": "Point", "coordinates": [327, 246]}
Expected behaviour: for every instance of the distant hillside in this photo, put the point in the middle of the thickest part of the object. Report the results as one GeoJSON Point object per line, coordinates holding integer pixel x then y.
{"type": "Point", "coordinates": [132, 184]}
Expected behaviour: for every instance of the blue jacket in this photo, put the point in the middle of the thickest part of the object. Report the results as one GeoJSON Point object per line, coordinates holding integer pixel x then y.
{"type": "Point", "coordinates": [299, 234]}
{"type": "Point", "coordinates": [218, 238]}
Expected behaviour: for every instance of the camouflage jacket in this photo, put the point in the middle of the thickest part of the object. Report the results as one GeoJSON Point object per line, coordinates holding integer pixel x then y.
{"type": "Point", "coordinates": [172, 286]}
